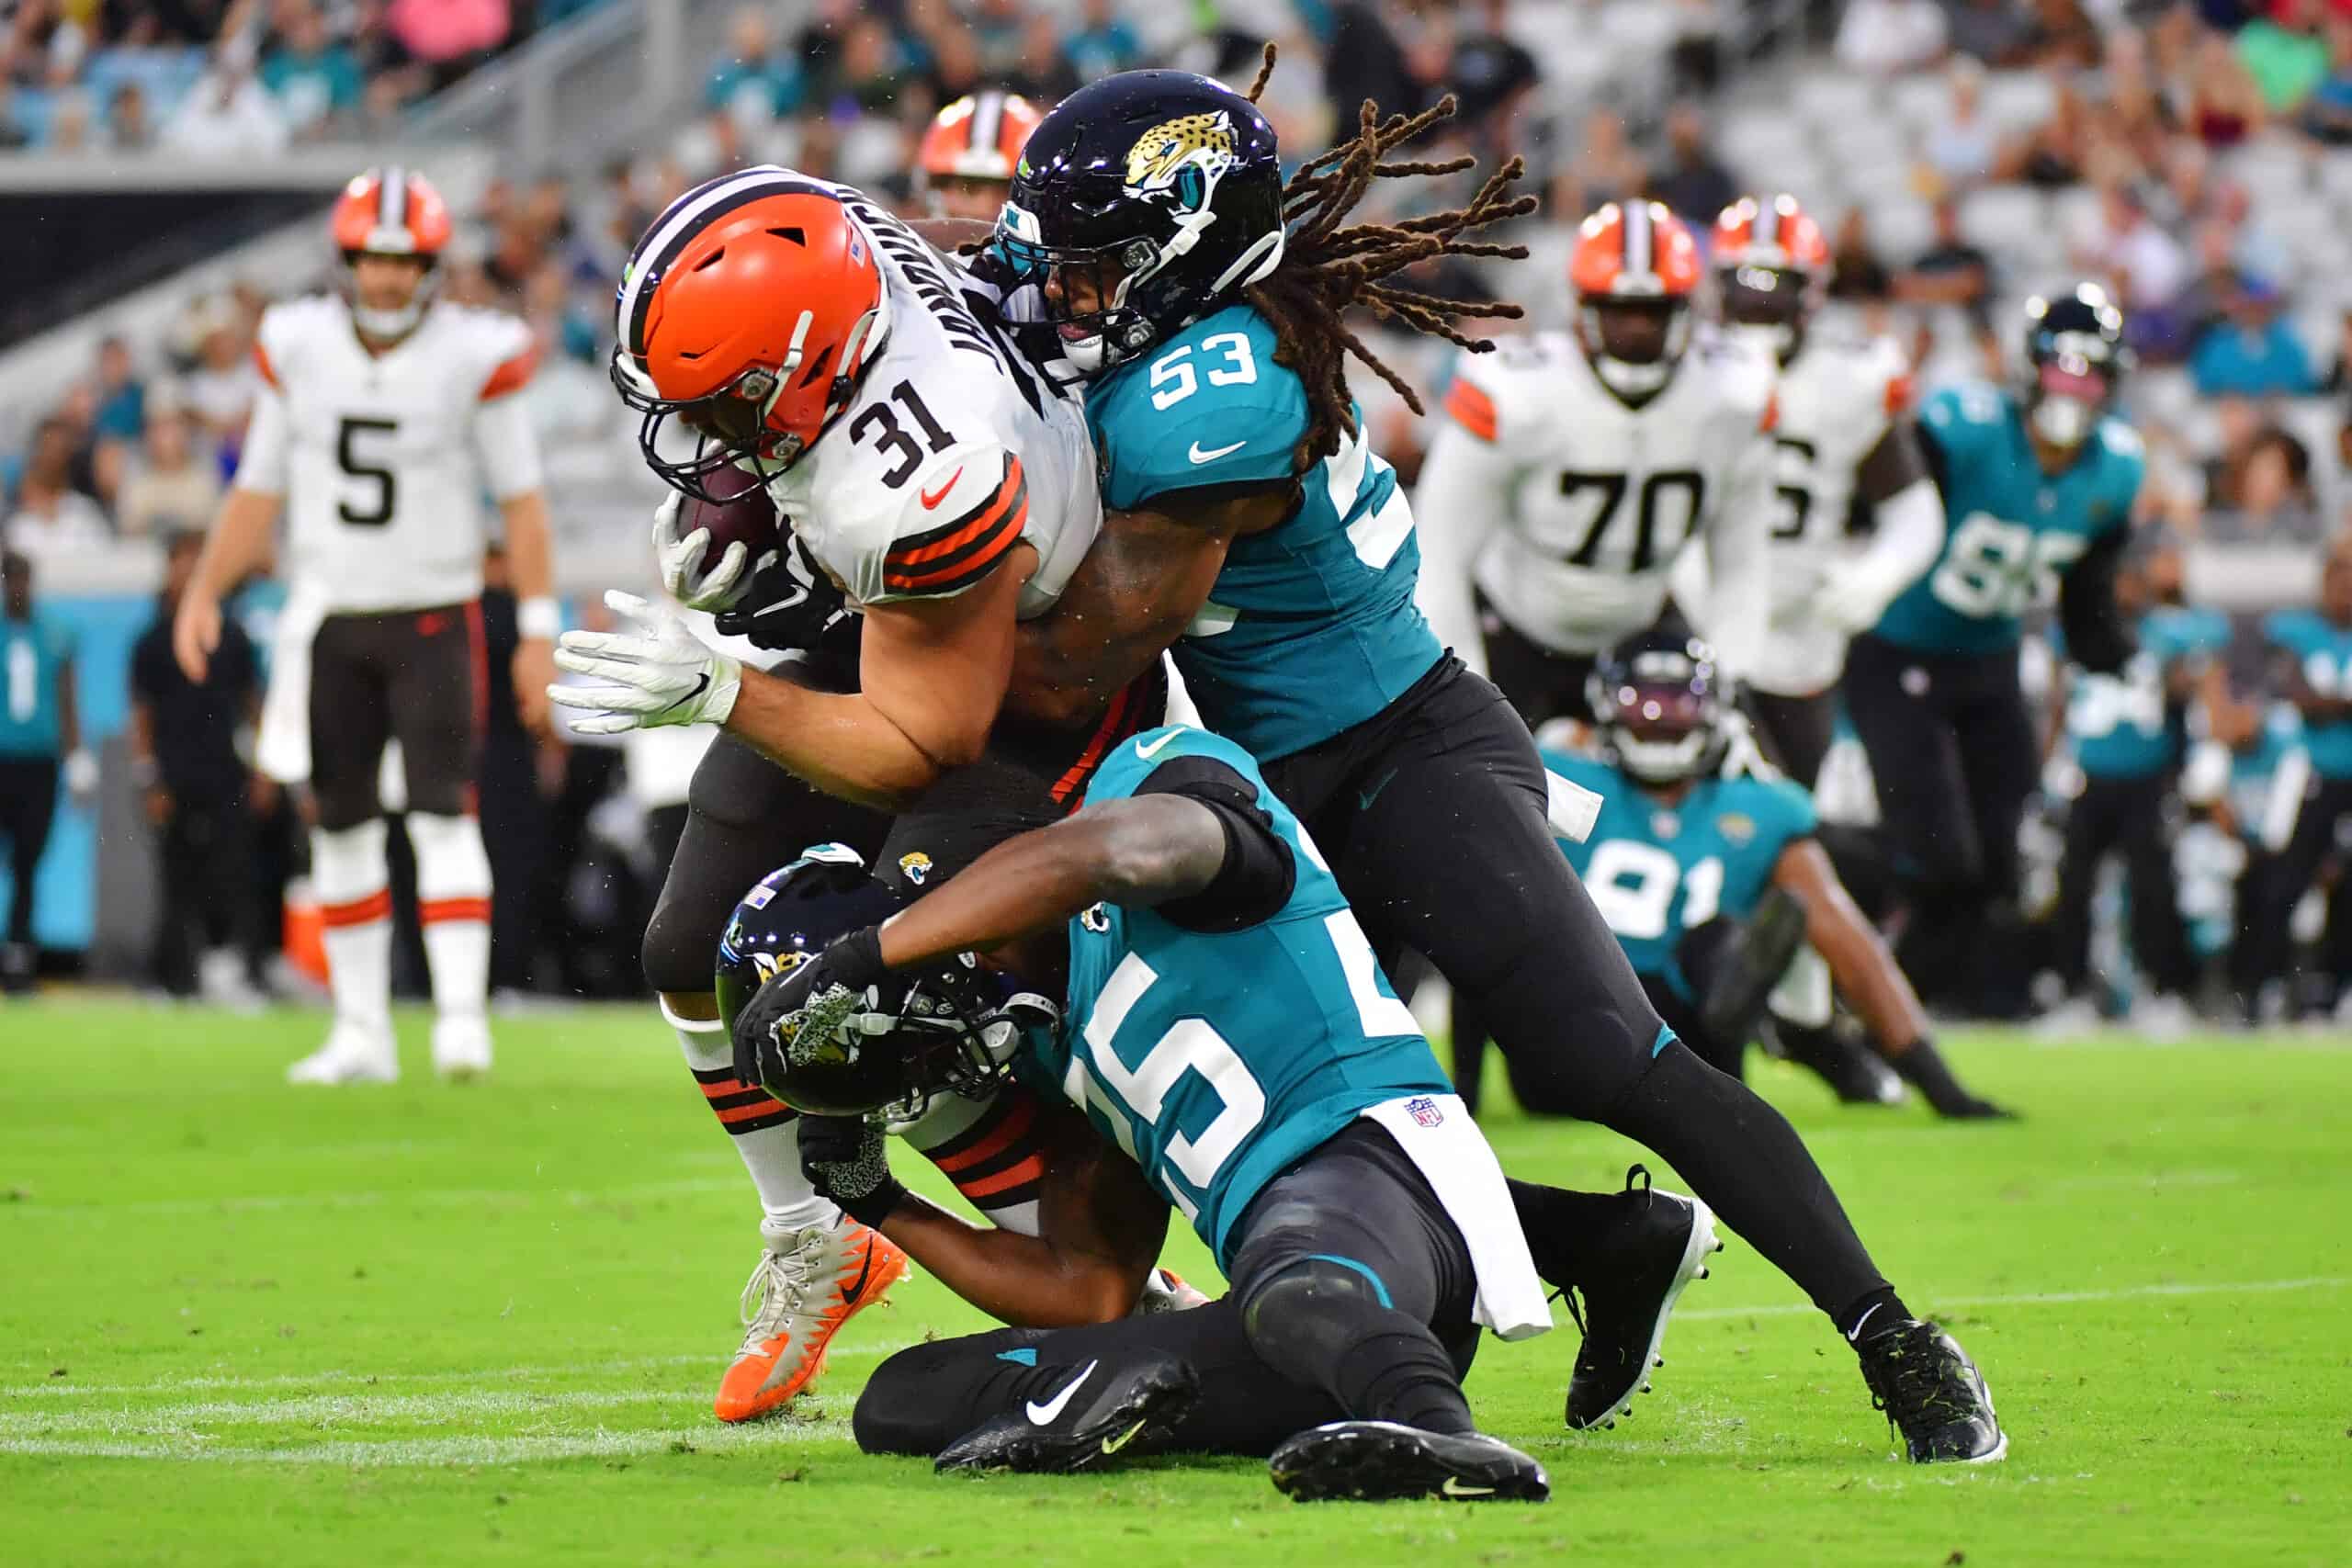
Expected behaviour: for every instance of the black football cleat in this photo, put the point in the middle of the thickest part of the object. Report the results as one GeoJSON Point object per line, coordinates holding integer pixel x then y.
{"type": "Point", "coordinates": [1098, 1413]}
{"type": "Point", "coordinates": [1632, 1276]}
{"type": "Point", "coordinates": [1933, 1396]}
{"type": "Point", "coordinates": [1381, 1461]}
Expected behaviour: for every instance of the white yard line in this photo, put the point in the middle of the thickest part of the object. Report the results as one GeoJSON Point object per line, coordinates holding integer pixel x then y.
{"type": "Point", "coordinates": [449, 1450]}
{"type": "Point", "coordinates": [431, 1197]}
{"type": "Point", "coordinates": [2041, 1297]}
{"type": "Point", "coordinates": [324, 1411]}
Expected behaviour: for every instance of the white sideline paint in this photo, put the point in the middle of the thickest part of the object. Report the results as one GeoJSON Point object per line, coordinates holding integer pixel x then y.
{"type": "Point", "coordinates": [427, 1197]}
{"type": "Point", "coordinates": [426, 1452]}
{"type": "Point", "coordinates": [2042, 1298]}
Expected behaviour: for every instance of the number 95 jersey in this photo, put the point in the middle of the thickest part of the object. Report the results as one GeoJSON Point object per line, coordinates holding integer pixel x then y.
{"type": "Point", "coordinates": [383, 458]}
{"type": "Point", "coordinates": [2010, 530]}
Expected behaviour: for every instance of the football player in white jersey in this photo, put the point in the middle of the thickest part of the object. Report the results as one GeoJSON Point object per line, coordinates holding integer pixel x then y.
{"type": "Point", "coordinates": [1577, 466]}
{"type": "Point", "coordinates": [385, 417]}
{"type": "Point", "coordinates": [940, 491]}
{"type": "Point", "coordinates": [1843, 441]}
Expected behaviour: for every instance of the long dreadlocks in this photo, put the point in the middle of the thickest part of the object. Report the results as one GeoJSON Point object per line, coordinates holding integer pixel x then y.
{"type": "Point", "coordinates": [1327, 270]}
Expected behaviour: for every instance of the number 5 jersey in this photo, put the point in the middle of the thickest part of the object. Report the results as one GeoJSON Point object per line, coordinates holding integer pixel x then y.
{"type": "Point", "coordinates": [384, 459]}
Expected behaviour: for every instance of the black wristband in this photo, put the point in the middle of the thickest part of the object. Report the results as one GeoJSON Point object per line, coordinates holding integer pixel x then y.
{"type": "Point", "coordinates": [876, 1206]}
{"type": "Point", "coordinates": [856, 957]}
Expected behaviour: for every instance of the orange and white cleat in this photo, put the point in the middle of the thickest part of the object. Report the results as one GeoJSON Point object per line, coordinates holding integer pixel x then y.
{"type": "Point", "coordinates": [808, 1285]}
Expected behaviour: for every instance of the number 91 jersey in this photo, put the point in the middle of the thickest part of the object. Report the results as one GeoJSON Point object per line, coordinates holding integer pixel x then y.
{"type": "Point", "coordinates": [1595, 499]}
{"type": "Point", "coordinates": [1217, 1060]}
{"type": "Point", "coordinates": [2010, 529]}
{"type": "Point", "coordinates": [952, 451]}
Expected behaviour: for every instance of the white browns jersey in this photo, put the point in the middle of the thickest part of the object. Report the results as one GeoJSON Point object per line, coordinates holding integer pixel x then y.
{"type": "Point", "coordinates": [384, 459]}
{"type": "Point", "coordinates": [1838, 399]}
{"type": "Point", "coordinates": [1579, 502]}
{"type": "Point", "coordinates": [952, 451]}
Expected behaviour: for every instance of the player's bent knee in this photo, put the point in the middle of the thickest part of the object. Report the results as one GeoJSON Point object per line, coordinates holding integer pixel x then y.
{"type": "Point", "coordinates": [1311, 1310]}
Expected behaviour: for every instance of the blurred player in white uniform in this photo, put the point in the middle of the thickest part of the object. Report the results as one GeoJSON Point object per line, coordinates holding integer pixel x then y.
{"type": "Point", "coordinates": [964, 168]}
{"type": "Point", "coordinates": [1844, 449]}
{"type": "Point", "coordinates": [385, 417]}
{"type": "Point", "coordinates": [939, 490]}
{"type": "Point", "coordinates": [1577, 466]}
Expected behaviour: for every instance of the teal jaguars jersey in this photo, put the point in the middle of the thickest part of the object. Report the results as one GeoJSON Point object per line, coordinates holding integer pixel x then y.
{"type": "Point", "coordinates": [2121, 725]}
{"type": "Point", "coordinates": [1656, 871]}
{"type": "Point", "coordinates": [1217, 1060]}
{"type": "Point", "coordinates": [2323, 649]}
{"type": "Point", "coordinates": [30, 653]}
{"type": "Point", "coordinates": [1311, 627]}
{"type": "Point", "coordinates": [2258, 772]}
{"type": "Point", "coordinates": [2009, 529]}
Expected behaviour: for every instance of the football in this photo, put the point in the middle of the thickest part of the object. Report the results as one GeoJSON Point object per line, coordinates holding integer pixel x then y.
{"type": "Point", "coordinates": [747, 516]}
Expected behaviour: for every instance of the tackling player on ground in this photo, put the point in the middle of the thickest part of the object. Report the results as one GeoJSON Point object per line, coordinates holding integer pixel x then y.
{"type": "Point", "coordinates": [384, 416]}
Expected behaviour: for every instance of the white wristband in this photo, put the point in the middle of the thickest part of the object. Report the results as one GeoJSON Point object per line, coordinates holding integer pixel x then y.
{"type": "Point", "coordinates": [538, 619]}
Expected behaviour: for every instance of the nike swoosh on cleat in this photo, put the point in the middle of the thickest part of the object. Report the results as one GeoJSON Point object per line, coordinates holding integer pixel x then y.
{"type": "Point", "coordinates": [1454, 1488]}
{"type": "Point", "coordinates": [1211, 455]}
{"type": "Point", "coordinates": [864, 1267]}
{"type": "Point", "coordinates": [1045, 1414]}
{"type": "Point", "coordinates": [1112, 1445]}
{"type": "Point", "coordinates": [932, 498]}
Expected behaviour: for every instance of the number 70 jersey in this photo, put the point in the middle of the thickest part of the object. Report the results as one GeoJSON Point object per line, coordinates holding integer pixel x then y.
{"type": "Point", "coordinates": [1217, 1060]}
{"type": "Point", "coordinates": [2009, 529]}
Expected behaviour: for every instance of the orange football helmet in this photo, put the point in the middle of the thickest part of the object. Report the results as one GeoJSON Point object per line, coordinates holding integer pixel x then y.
{"type": "Point", "coordinates": [1773, 268]}
{"type": "Point", "coordinates": [747, 310]}
{"type": "Point", "coordinates": [967, 156]}
{"type": "Point", "coordinates": [1635, 269]}
{"type": "Point", "coordinates": [390, 211]}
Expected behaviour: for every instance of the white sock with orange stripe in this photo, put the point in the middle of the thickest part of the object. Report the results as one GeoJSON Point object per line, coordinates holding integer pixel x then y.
{"type": "Point", "coordinates": [354, 887]}
{"type": "Point", "coordinates": [453, 906]}
{"type": "Point", "coordinates": [763, 1130]}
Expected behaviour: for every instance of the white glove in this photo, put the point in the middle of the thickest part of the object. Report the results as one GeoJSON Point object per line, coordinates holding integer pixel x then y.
{"type": "Point", "coordinates": [683, 573]}
{"type": "Point", "coordinates": [80, 775]}
{"type": "Point", "coordinates": [659, 675]}
{"type": "Point", "coordinates": [1851, 598]}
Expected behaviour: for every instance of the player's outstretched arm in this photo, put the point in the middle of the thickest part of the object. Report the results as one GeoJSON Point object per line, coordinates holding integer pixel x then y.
{"type": "Point", "coordinates": [1144, 578]}
{"type": "Point", "coordinates": [2098, 638]}
{"type": "Point", "coordinates": [1866, 972]}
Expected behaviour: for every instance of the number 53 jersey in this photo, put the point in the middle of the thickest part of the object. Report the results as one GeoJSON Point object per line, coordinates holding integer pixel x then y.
{"type": "Point", "coordinates": [2011, 530]}
{"type": "Point", "coordinates": [1217, 1060]}
{"type": "Point", "coordinates": [384, 459]}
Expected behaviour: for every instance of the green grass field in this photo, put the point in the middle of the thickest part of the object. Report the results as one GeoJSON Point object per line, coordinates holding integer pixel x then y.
{"type": "Point", "coordinates": [431, 1325]}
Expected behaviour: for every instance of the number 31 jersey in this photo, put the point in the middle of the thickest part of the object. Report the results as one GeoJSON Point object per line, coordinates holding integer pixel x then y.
{"type": "Point", "coordinates": [1590, 499]}
{"type": "Point", "coordinates": [383, 458]}
{"type": "Point", "coordinates": [1217, 1060]}
{"type": "Point", "coordinates": [952, 452]}
{"type": "Point", "coordinates": [2010, 530]}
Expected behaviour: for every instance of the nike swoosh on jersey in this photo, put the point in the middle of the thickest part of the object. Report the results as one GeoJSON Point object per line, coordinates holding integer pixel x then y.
{"type": "Point", "coordinates": [1157, 746]}
{"type": "Point", "coordinates": [1044, 1414]}
{"type": "Point", "coordinates": [932, 498]}
{"type": "Point", "coordinates": [1211, 455]}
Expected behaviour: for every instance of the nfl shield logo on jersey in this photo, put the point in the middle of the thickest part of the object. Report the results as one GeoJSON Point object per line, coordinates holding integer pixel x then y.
{"type": "Point", "coordinates": [1425, 1112]}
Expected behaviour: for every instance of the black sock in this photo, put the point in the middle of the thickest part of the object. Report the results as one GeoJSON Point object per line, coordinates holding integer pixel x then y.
{"type": "Point", "coordinates": [1562, 1226]}
{"type": "Point", "coordinates": [1880, 1312]}
{"type": "Point", "coordinates": [1747, 1163]}
{"type": "Point", "coordinates": [1324, 1326]}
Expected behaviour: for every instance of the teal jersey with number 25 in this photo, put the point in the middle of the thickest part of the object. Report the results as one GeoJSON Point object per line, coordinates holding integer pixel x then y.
{"type": "Point", "coordinates": [1217, 1060]}
{"type": "Point", "coordinates": [2010, 529]}
{"type": "Point", "coordinates": [1311, 627]}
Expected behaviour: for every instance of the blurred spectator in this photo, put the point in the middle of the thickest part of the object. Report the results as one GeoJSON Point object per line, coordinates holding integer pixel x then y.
{"type": "Point", "coordinates": [2145, 266]}
{"type": "Point", "coordinates": [1885, 37]}
{"type": "Point", "coordinates": [70, 127]}
{"type": "Point", "coordinates": [2327, 113]}
{"type": "Point", "coordinates": [184, 750]}
{"type": "Point", "coordinates": [2055, 153]}
{"type": "Point", "coordinates": [1489, 73]}
{"type": "Point", "coordinates": [1994, 31]}
{"type": "Point", "coordinates": [448, 34]}
{"type": "Point", "coordinates": [128, 127]}
{"type": "Point", "coordinates": [222, 389]}
{"type": "Point", "coordinates": [1604, 168]}
{"type": "Point", "coordinates": [1043, 73]}
{"type": "Point", "coordinates": [2062, 38]}
{"type": "Point", "coordinates": [2226, 105]}
{"type": "Point", "coordinates": [40, 743]}
{"type": "Point", "coordinates": [2253, 353]}
{"type": "Point", "coordinates": [315, 79]}
{"type": "Point", "coordinates": [120, 395]}
{"type": "Point", "coordinates": [871, 70]}
{"type": "Point", "coordinates": [1951, 271]}
{"type": "Point", "coordinates": [2285, 52]}
{"type": "Point", "coordinates": [1690, 180]}
{"type": "Point", "coordinates": [1364, 60]}
{"type": "Point", "coordinates": [227, 114]}
{"type": "Point", "coordinates": [52, 518]}
{"type": "Point", "coordinates": [12, 134]}
{"type": "Point", "coordinates": [751, 81]}
{"type": "Point", "coordinates": [1960, 144]}
{"type": "Point", "coordinates": [173, 486]}
{"type": "Point", "coordinates": [1104, 43]}
{"type": "Point", "coordinates": [2260, 485]}
{"type": "Point", "coordinates": [1856, 272]}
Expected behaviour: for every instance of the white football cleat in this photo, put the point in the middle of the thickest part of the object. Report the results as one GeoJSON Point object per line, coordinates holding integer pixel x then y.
{"type": "Point", "coordinates": [461, 1048]}
{"type": "Point", "coordinates": [808, 1285]}
{"type": "Point", "coordinates": [355, 1053]}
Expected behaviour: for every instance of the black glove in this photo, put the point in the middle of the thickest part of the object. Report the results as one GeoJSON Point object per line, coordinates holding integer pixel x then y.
{"type": "Point", "coordinates": [792, 606]}
{"type": "Point", "coordinates": [811, 999]}
{"type": "Point", "coordinates": [1923, 1067]}
{"type": "Point", "coordinates": [846, 1158]}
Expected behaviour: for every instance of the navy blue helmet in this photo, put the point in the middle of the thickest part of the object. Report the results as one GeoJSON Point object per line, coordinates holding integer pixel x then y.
{"type": "Point", "coordinates": [1657, 699]}
{"type": "Point", "coordinates": [2074, 362]}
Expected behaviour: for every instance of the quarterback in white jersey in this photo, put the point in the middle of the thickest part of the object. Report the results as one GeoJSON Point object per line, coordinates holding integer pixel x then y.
{"type": "Point", "coordinates": [383, 419]}
{"type": "Point", "coordinates": [1577, 467]}
{"type": "Point", "coordinates": [1843, 441]}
